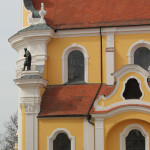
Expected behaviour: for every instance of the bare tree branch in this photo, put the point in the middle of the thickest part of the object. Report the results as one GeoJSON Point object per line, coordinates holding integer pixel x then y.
{"type": "Point", "coordinates": [9, 138]}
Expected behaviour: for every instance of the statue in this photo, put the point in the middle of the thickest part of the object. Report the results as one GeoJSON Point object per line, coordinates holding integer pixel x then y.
{"type": "Point", "coordinates": [27, 61]}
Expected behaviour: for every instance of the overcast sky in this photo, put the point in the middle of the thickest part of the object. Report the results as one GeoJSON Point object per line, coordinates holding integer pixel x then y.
{"type": "Point", "coordinates": [10, 23]}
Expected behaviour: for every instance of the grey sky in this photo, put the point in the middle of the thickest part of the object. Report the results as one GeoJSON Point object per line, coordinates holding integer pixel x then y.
{"type": "Point", "coordinates": [10, 23]}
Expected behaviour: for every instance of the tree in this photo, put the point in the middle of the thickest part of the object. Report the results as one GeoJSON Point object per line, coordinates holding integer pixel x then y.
{"type": "Point", "coordinates": [9, 138]}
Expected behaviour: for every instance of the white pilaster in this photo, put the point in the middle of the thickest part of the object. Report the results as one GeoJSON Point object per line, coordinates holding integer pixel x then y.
{"type": "Point", "coordinates": [110, 59]}
{"type": "Point", "coordinates": [31, 132]}
{"type": "Point", "coordinates": [19, 121]}
{"type": "Point", "coordinates": [99, 133]}
{"type": "Point", "coordinates": [30, 84]}
{"type": "Point", "coordinates": [88, 135]}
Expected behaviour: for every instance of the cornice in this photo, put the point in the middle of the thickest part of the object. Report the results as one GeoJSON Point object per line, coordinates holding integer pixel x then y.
{"type": "Point", "coordinates": [104, 31]}
{"type": "Point", "coordinates": [21, 82]}
{"type": "Point", "coordinates": [123, 109]}
{"type": "Point", "coordinates": [131, 68]}
{"type": "Point", "coordinates": [30, 35]}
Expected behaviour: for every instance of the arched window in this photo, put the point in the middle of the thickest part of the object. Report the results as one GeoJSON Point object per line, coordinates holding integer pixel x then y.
{"type": "Point", "coordinates": [142, 57]}
{"type": "Point", "coordinates": [134, 137]}
{"type": "Point", "coordinates": [135, 140]}
{"type": "Point", "coordinates": [62, 142]}
{"type": "Point", "coordinates": [61, 139]}
{"type": "Point", "coordinates": [132, 89]}
{"type": "Point", "coordinates": [75, 66]}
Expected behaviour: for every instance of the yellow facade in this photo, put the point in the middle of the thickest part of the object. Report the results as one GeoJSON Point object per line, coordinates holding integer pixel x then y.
{"type": "Point", "coordinates": [47, 126]}
{"type": "Point", "coordinates": [114, 125]}
{"type": "Point", "coordinates": [24, 15]}
{"type": "Point", "coordinates": [122, 44]}
{"type": "Point", "coordinates": [120, 87]}
{"type": "Point", "coordinates": [92, 44]}
{"type": "Point", "coordinates": [55, 52]}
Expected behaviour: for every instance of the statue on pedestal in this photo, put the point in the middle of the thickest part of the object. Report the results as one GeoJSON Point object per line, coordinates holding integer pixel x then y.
{"type": "Point", "coordinates": [27, 61]}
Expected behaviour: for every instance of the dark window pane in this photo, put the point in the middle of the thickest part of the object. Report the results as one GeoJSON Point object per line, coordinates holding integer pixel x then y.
{"type": "Point", "coordinates": [75, 66]}
{"type": "Point", "coordinates": [135, 140]}
{"type": "Point", "coordinates": [132, 90]}
{"type": "Point", "coordinates": [62, 142]}
{"type": "Point", "coordinates": [142, 57]}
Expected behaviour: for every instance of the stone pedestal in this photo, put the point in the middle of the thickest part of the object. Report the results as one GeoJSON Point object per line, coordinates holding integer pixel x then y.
{"type": "Point", "coordinates": [30, 84]}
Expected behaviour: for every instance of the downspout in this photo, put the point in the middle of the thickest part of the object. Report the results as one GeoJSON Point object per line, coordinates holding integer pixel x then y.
{"type": "Point", "coordinates": [101, 64]}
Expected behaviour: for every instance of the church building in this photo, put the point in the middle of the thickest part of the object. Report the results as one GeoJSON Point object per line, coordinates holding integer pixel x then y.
{"type": "Point", "coordinates": [83, 75]}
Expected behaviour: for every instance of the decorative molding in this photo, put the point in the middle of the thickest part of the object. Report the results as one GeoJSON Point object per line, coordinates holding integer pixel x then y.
{"type": "Point", "coordinates": [126, 30]}
{"type": "Point", "coordinates": [110, 49]}
{"type": "Point", "coordinates": [131, 68]}
{"type": "Point", "coordinates": [52, 137]}
{"type": "Point", "coordinates": [133, 106]}
{"type": "Point", "coordinates": [105, 31]}
{"type": "Point", "coordinates": [66, 52]}
{"type": "Point", "coordinates": [36, 42]}
{"type": "Point", "coordinates": [134, 47]}
{"type": "Point", "coordinates": [124, 103]}
{"type": "Point", "coordinates": [30, 93]}
{"type": "Point", "coordinates": [31, 108]}
{"type": "Point", "coordinates": [121, 72]}
{"type": "Point", "coordinates": [126, 131]}
{"type": "Point", "coordinates": [77, 33]}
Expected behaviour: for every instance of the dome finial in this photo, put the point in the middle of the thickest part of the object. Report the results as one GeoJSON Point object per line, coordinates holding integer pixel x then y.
{"type": "Point", "coordinates": [42, 13]}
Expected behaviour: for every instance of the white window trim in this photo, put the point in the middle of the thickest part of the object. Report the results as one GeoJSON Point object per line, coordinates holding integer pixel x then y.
{"type": "Point", "coordinates": [134, 47]}
{"type": "Point", "coordinates": [52, 137]}
{"type": "Point", "coordinates": [66, 52]}
{"type": "Point", "coordinates": [126, 131]}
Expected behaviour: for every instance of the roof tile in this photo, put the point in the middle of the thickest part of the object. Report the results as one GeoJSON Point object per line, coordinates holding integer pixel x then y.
{"type": "Point", "coordinates": [70, 99]}
{"type": "Point", "coordinates": [94, 13]}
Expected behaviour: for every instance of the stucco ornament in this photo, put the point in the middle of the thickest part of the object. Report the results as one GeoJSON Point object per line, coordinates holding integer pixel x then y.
{"type": "Point", "coordinates": [42, 13]}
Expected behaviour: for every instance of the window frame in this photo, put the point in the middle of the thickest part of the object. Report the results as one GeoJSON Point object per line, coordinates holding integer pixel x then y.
{"type": "Point", "coordinates": [75, 66]}
{"type": "Point", "coordinates": [66, 52]}
{"type": "Point", "coordinates": [134, 47]}
{"type": "Point", "coordinates": [126, 131]}
{"type": "Point", "coordinates": [52, 137]}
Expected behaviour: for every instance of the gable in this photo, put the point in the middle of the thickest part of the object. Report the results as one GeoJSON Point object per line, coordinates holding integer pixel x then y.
{"type": "Point", "coordinates": [117, 99]}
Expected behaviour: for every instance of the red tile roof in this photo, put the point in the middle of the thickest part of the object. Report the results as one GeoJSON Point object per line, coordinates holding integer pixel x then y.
{"type": "Point", "coordinates": [68, 99]}
{"type": "Point", "coordinates": [106, 90]}
{"type": "Point", "coordinates": [64, 100]}
{"type": "Point", "coordinates": [62, 14]}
